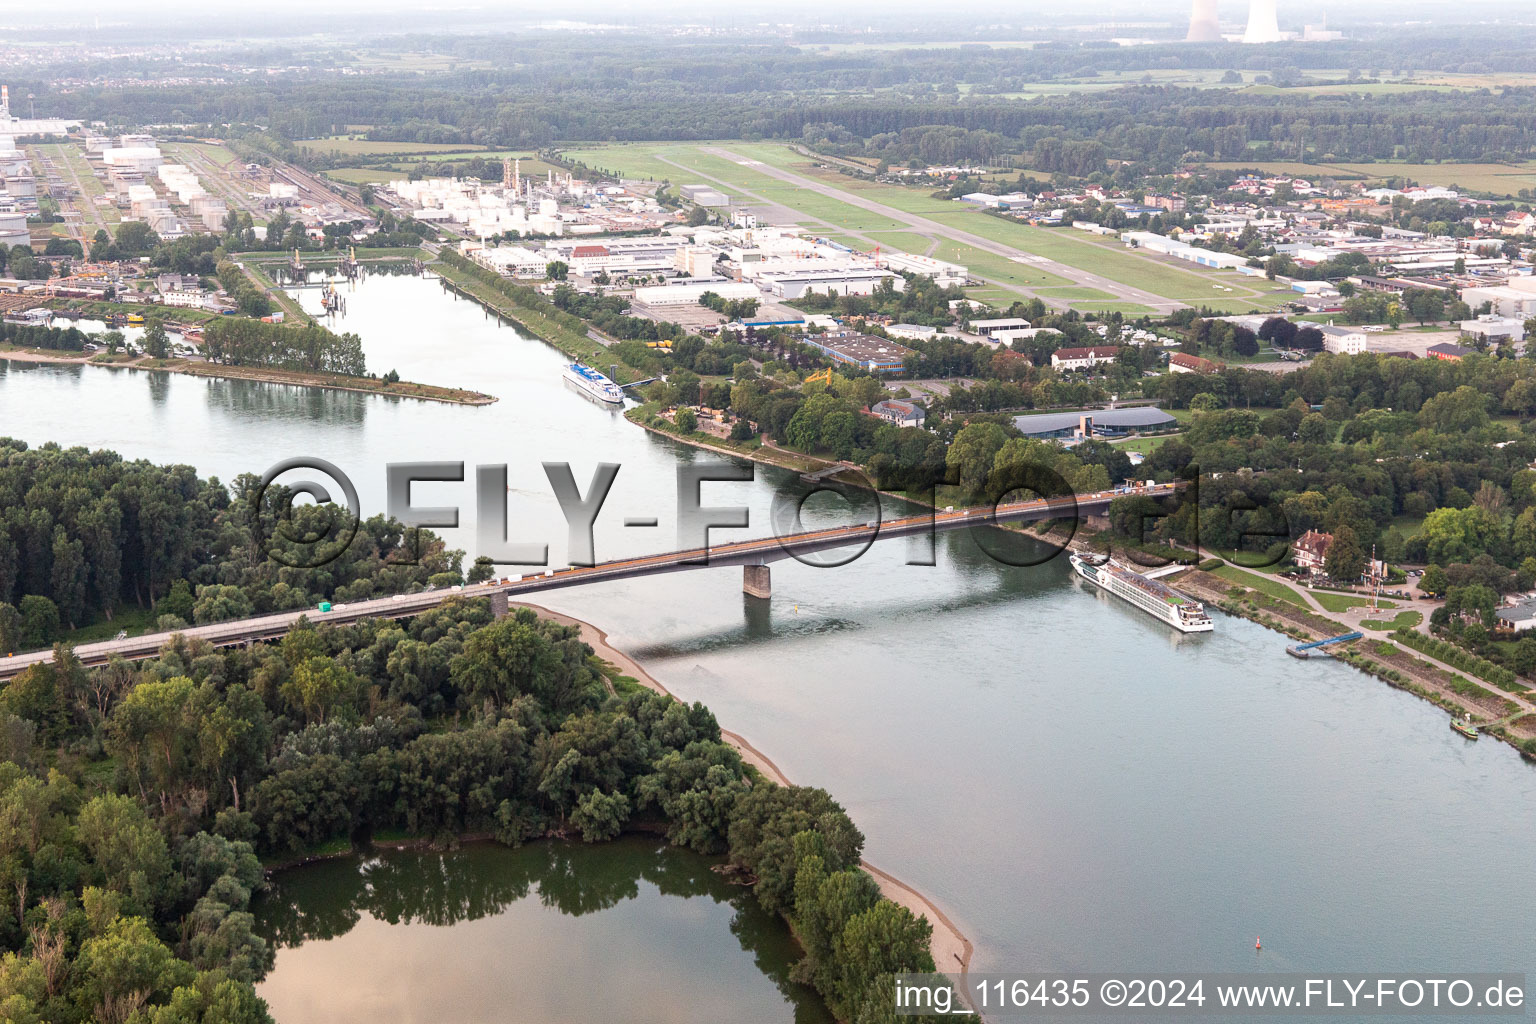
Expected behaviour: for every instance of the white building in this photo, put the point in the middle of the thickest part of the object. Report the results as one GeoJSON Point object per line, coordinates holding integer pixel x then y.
{"type": "Point", "coordinates": [1083, 358]}
{"type": "Point", "coordinates": [190, 298]}
{"type": "Point", "coordinates": [1349, 341]}
{"type": "Point", "coordinates": [1515, 298]}
{"type": "Point", "coordinates": [991, 328]}
{"type": "Point", "coordinates": [1494, 329]}
{"type": "Point", "coordinates": [513, 260]}
{"type": "Point", "coordinates": [686, 294]}
{"type": "Point", "coordinates": [793, 280]}
{"type": "Point", "coordinates": [917, 332]}
{"type": "Point", "coordinates": [943, 274]}
{"type": "Point", "coordinates": [1151, 242]}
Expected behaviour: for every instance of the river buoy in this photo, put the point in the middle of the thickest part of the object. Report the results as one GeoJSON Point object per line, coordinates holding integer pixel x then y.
{"type": "Point", "coordinates": [1256, 943]}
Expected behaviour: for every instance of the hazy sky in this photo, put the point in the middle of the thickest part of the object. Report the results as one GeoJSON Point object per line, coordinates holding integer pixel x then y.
{"type": "Point", "coordinates": [301, 17]}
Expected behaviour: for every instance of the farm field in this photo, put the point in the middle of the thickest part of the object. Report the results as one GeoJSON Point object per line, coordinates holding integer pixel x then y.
{"type": "Point", "coordinates": [362, 175]}
{"type": "Point", "coordinates": [349, 146]}
{"type": "Point", "coordinates": [1497, 179]}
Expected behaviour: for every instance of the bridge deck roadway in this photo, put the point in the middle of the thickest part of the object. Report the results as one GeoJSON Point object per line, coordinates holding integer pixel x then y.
{"type": "Point", "coordinates": [759, 551]}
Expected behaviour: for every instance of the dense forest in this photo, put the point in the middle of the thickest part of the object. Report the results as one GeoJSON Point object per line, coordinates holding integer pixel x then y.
{"type": "Point", "coordinates": [84, 534]}
{"type": "Point", "coordinates": [528, 94]}
{"type": "Point", "coordinates": [139, 799]}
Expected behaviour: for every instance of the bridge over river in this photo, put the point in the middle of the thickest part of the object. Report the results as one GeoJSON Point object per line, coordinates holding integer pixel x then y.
{"type": "Point", "coordinates": [753, 556]}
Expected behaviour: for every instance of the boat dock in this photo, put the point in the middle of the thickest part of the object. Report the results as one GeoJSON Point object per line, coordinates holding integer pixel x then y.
{"type": "Point", "coordinates": [1315, 648]}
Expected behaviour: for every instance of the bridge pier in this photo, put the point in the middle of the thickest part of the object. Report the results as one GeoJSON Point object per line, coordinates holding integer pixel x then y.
{"type": "Point", "coordinates": [756, 581]}
{"type": "Point", "coordinates": [499, 607]}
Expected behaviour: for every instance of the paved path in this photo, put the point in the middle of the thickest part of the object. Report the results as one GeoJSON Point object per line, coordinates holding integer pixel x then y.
{"type": "Point", "coordinates": [1353, 617]}
{"type": "Point", "coordinates": [1078, 277]}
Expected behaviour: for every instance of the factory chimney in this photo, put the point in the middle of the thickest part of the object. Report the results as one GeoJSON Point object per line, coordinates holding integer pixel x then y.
{"type": "Point", "coordinates": [517, 176]}
{"type": "Point", "coordinates": [1204, 26]}
{"type": "Point", "coordinates": [5, 100]}
{"type": "Point", "coordinates": [1263, 23]}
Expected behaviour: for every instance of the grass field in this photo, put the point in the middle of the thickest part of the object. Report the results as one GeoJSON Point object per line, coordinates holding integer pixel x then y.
{"type": "Point", "coordinates": [1497, 179]}
{"type": "Point", "coordinates": [363, 175]}
{"type": "Point", "coordinates": [1075, 293]}
{"type": "Point", "coordinates": [997, 268]}
{"type": "Point", "coordinates": [904, 241]}
{"type": "Point", "coordinates": [1343, 602]}
{"type": "Point", "coordinates": [1144, 445]}
{"type": "Point", "coordinates": [687, 163]}
{"type": "Point", "coordinates": [351, 146]}
{"type": "Point", "coordinates": [1399, 621]}
{"type": "Point", "coordinates": [1274, 588]}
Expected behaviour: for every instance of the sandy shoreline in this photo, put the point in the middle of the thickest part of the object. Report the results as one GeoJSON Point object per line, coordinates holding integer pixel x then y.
{"type": "Point", "coordinates": [951, 949]}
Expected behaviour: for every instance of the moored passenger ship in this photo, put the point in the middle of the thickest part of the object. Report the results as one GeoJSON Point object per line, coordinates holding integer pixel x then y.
{"type": "Point", "coordinates": [592, 383]}
{"type": "Point", "coordinates": [1180, 611]}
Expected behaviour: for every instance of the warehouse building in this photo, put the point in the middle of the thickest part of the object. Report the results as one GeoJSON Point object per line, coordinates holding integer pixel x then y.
{"type": "Point", "coordinates": [1150, 242]}
{"type": "Point", "coordinates": [792, 280]}
{"type": "Point", "coordinates": [877, 355]}
{"type": "Point", "coordinates": [703, 195]}
{"type": "Point", "coordinates": [690, 294]}
{"type": "Point", "coordinates": [988, 328]}
{"type": "Point", "coordinates": [1095, 423]}
{"type": "Point", "coordinates": [944, 274]}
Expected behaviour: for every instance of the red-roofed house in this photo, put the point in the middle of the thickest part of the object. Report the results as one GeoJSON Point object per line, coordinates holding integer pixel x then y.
{"type": "Point", "coordinates": [1311, 550]}
{"type": "Point", "coordinates": [1181, 363]}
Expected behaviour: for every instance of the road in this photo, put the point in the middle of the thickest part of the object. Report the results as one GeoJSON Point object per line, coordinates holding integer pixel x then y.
{"type": "Point", "coordinates": [759, 551]}
{"type": "Point", "coordinates": [1082, 278]}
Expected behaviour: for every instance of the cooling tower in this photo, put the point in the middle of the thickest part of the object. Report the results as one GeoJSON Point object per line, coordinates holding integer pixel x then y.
{"type": "Point", "coordinates": [1263, 23]}
{"type": "Point", "coordinates": [1203, 23]}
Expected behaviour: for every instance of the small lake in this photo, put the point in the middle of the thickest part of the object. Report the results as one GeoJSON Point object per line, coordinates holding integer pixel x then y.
{"type": "Point", "coordinates": [561, 933]}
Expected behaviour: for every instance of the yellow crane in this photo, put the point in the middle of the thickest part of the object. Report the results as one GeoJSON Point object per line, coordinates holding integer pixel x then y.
{"type": "Point", "coordinates": [824, 377]}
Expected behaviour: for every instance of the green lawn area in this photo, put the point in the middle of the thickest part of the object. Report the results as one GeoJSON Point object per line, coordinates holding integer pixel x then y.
{"type": "Point", "coordinates": [1144, 445]}
{"type": "Point", "coordinates": [1399, 621]}
{"type": "Point", "coordinates": [1076, 293]}
{"type": "Point", "coordinates": [1274, 588]}
{"type": "Point", "coordinates": [997, 268]}
{"type": "Point", "coordinates": [903, 241]}
{"type": "Point", "coordinates": [1124, 308]}
{"type": "Point", "coordinates": [1409, 526]}
{"type": "Point", "coordinates": [1343, 602]}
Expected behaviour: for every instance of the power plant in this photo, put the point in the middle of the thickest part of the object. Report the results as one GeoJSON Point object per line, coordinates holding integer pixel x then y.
{"type": "Point", "coordinates": [1263, 23]}
{"type": "Point", "coordinates": [1204, 25]}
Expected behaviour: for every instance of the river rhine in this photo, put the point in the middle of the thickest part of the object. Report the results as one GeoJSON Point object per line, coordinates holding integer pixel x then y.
{"type": "Point", "coordinates": [1076, 787]}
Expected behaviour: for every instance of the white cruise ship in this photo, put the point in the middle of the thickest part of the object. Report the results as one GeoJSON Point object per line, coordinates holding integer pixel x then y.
{"type": "Point", "coordinates": [593, 384]}
{"type": "Point", "coordinates": [1180, 611]}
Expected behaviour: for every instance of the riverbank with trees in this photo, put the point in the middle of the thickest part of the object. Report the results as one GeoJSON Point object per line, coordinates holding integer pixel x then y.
{"type": "Point", "coordinates": [161, 786]}
{"type": "Point", "coordinates": [386, 385]}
